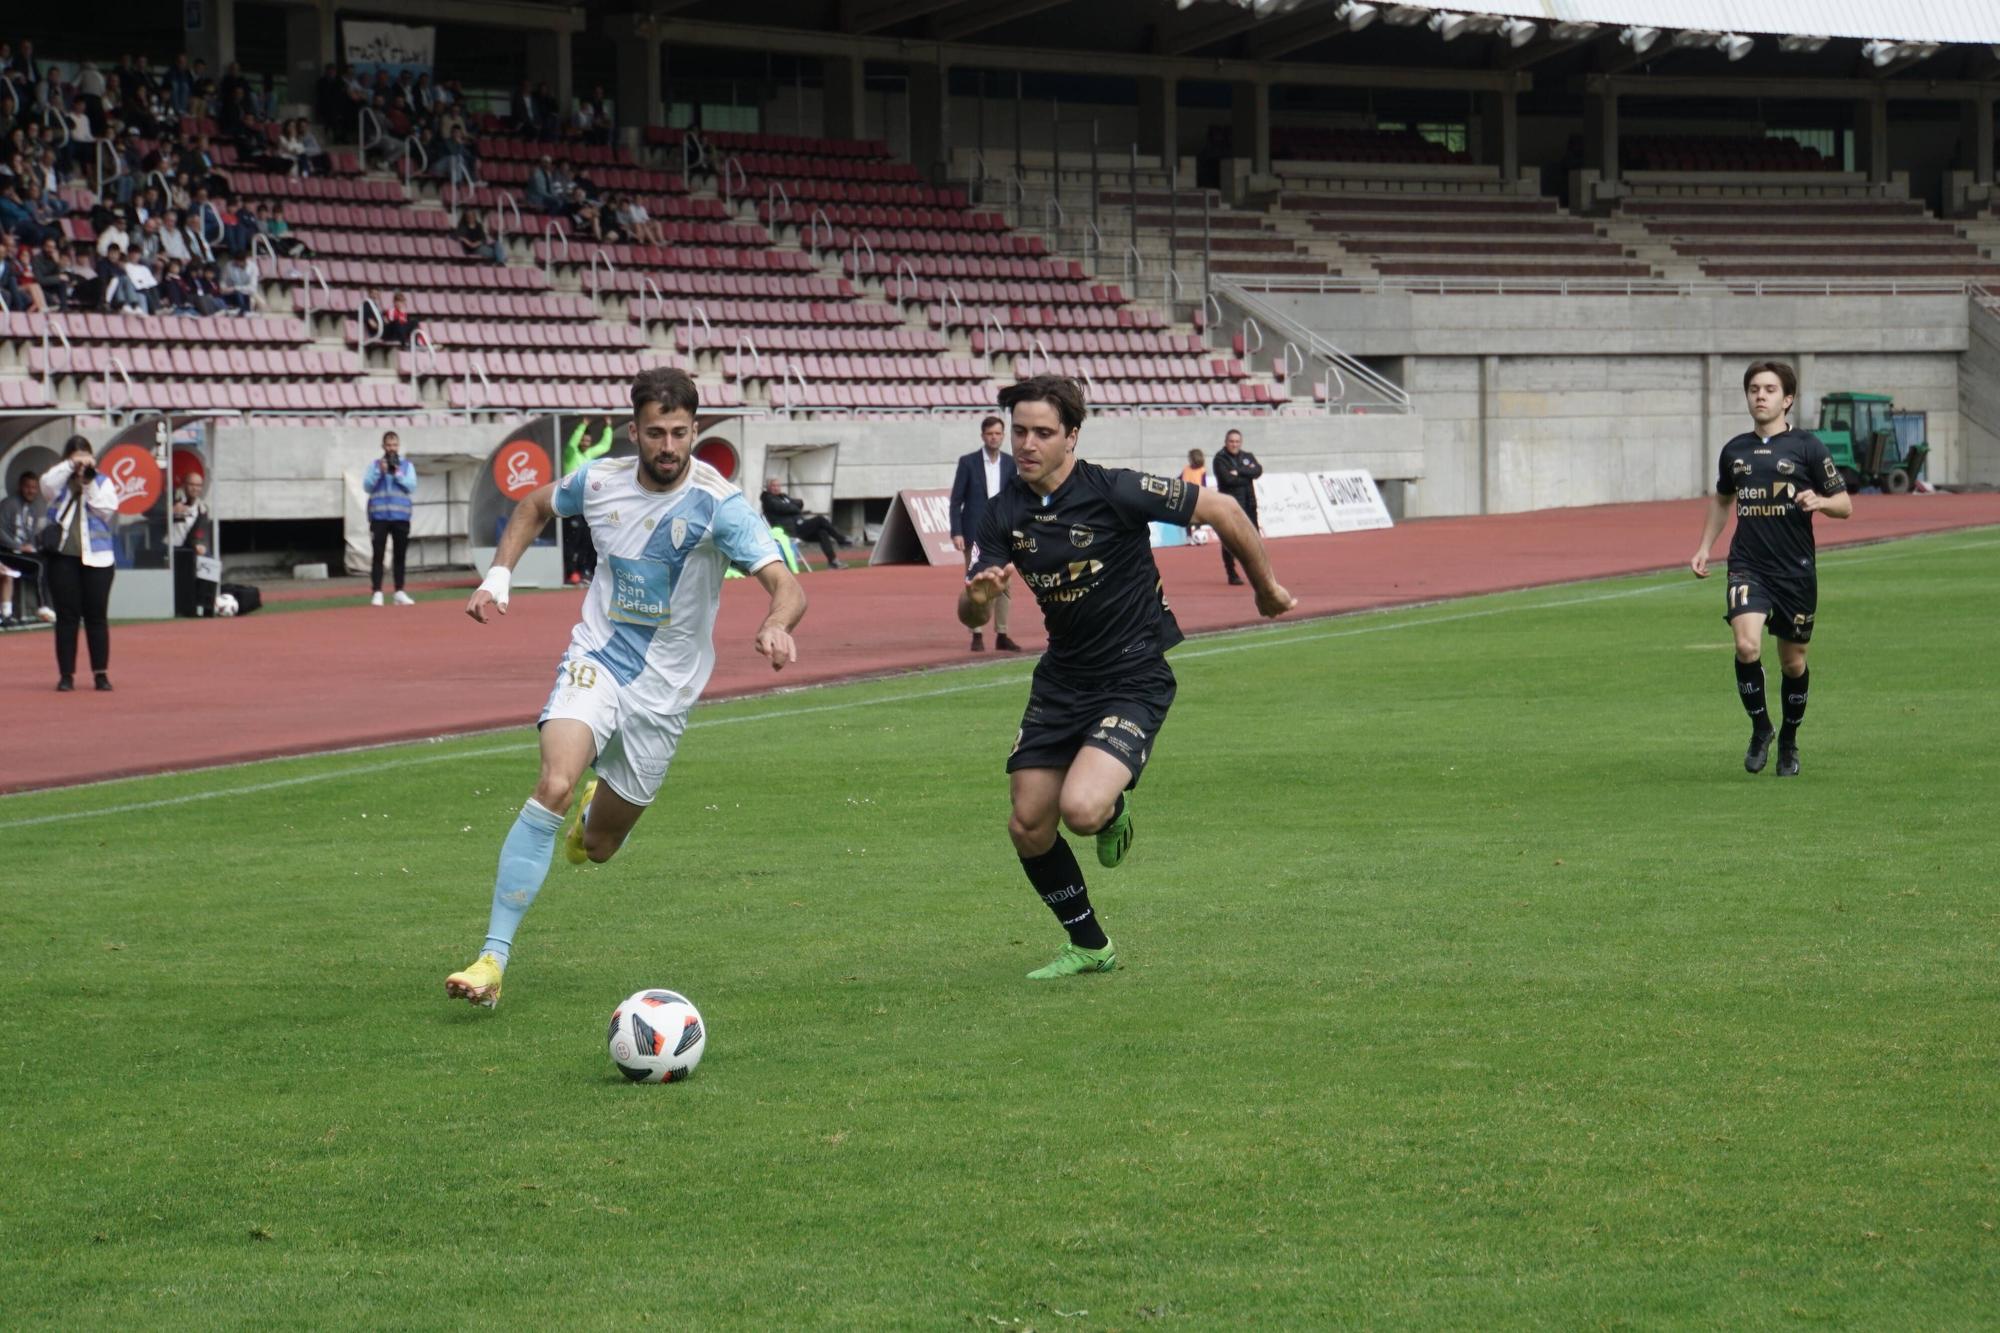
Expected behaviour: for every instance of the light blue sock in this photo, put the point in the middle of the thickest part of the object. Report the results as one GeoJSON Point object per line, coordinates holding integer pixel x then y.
{"type": "Point", "coordinates": [524, 864]}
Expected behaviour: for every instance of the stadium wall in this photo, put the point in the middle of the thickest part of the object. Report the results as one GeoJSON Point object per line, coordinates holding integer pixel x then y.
{"type": "Point", "coordinates": [1979, 400]}
{"type": "Point", "coordinates": [1535, 402]}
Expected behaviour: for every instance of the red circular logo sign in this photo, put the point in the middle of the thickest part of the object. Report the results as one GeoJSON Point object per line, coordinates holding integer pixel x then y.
{"type": "Point", "coordinates": [519, 467]}
{"type": "Point", "coordinates": [718, 455]}
{"type": "Point", "coordinates": [135, 474]}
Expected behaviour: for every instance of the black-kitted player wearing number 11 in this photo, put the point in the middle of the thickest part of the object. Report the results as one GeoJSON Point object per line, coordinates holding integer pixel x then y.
{"type": "Point", "coordinates": [1078, 535]}
{"type": "Point", "coordinates": [1777, 478]}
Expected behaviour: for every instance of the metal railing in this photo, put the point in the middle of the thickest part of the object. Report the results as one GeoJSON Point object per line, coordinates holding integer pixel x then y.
{"type": "Point", "coordinates": [423, 352]}
{"type": "Point", "coordinates": [1171, 288]}
{"type": "Point", "coordinates": [412, 147]}
{"type": "Point", "coordinates": [263, 242]}
{"type": "Point", "coordinates": [99, 148]}
{"type": "Point", "coordinates": [314, 274]}
{"type": "Point", "coordinates": [1134, 265]}
{"type": "Point", "coordinates": [744, 340]}
{"type": "Point", "coordinates": [989, 320]}
{"type": "Point", "coordinates": [598, 256]}
{"type": "Point", "coordinates": [732, 172]}
{"type": "Point", "coordinates": [368, 131]}
{"type": "Point", "coordinates": [649, 292]}
{"type": "Point", "coordinates": [812, 230]}
{"type": "Point", "coordinates": [700, 312]}
{"type": "Point", "coordinates": [949, 292]}
{"type": "Point", "coordinates": [553, 228]}
{"type": "Point", "coordinates": [54, 327]}
{"type": "Point", "coordinates": [475, 366]}
{"type": "Point", "coordinates": [1335, 285]}
{"type": "Point", "coordinates": [694, 153]}
{"type": "Point", "coordinates": [117, 363]}
{"type": "Point", "coordinates": [903, 266]}
{"type": "Point", "coordinates": [1394, 398]}
{"type": "Point", "coordinates": [789, 374]}
{"type": "Point", "coordinates": [364, 335]}
{"type": "Point", "coordinates": [1036, 347]}
{"type": "Point", "coordinates": [772, 194]}
{"type": "Point", "coordinates": [55, 119]}
{"type": "Point", "coordinates": [1251, 349]}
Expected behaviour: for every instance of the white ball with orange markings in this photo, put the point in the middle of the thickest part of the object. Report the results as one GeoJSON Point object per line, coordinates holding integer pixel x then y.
{"type": "Point", "coordinates": [657, 1036]}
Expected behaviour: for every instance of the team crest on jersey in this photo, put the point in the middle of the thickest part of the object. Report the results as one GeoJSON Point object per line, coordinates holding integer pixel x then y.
{"type": "Point", "coordinates": [1740, 467]}
{"type": "Point", "coordinates": [649, 524]}
{"type": "Point", "coordinates": [1080, 536]}
{"type": "Point", "coordinates": [678, 533]}
{"type": "Point", "coordinates": [1153, 485]}
{"type": "Point", "coordinates": [1786, 467]}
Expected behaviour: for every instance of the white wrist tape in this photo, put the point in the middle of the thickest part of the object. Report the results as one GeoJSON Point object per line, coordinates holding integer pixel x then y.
{"type": "Point", "coordinates": [499, 581]}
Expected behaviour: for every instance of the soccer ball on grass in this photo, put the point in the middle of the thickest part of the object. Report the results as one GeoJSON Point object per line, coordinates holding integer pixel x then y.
{"type": "Point", "coordinates": [656, 1036]}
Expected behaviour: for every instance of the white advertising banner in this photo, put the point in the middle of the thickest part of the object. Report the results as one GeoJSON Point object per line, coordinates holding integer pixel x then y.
{"type": "Point", "coordinates": [1351, 500]}
{"type": "Point", "coordinates": [391, 47]}
{"type": "Point", "coordinates": [1288, 505]}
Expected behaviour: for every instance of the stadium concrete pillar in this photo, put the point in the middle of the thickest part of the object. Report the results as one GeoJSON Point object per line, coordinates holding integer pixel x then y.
{"type": "Point", "coordinates": [208, 28]}
{"type": "Point", "coordinates": [309, 48]}
{"type": "Point", "coordinates": [1500, 133]}
{"type": "Point", "coordinates": [1871, 137]}
{"type": "Point", "coordinates": [929, 111]}
{"type": "Point", "coordinates": [843, 108]}
{"type": "Point", "coordinates": [640, 85]}
{"type": "Point", "coordinates": [549, 62]}
{"type": "Point", "coordinates": [1250, 123]}
{"type": "Point", "coordinates": [1600, 135]}
{"type": "Point", "coordinates": [1159, 128]}
{"type": "Point", "coordinates": [1979, 137]}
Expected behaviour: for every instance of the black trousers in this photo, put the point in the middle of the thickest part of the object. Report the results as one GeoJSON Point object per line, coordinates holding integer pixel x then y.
{"type": "Point", "coordinates": [1248, 499]}
{"type": "Point", "coordinates": [33, 569]}
{"type": "Point", "coordinates": [819, 528]}
{"type": "Point", "coordinates": [397, 531]}
{"type": "Point", "coordinates": [579, 551]}
{"type": "Point", "coordinates": [82, 595]}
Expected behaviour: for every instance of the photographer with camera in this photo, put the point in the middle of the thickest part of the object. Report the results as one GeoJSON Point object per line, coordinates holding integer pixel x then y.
{"type": "Point", "coordinates": [76, 543]}
{"type": "Point", "coordinates": [391, 483]}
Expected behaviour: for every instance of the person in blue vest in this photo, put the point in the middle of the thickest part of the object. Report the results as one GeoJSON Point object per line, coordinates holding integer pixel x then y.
{"type": "Point", "coordinates": [982, 474]}
{"type": "Point", "coordinates": [82, 504]}
{"type": "Point", "coordinates": [391, 483]}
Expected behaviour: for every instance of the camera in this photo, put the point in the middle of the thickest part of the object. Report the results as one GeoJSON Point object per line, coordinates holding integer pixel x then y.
{"type": "Point", "coordinates": [90, 472]}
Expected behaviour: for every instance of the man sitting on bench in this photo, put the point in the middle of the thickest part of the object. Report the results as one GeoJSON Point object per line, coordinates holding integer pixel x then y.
{"type": "Point", "coordinates": [782, 511]}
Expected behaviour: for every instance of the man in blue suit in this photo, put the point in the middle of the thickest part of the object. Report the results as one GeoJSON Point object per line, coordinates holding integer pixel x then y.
{"type": "Point", "coordinates": [982, 474]}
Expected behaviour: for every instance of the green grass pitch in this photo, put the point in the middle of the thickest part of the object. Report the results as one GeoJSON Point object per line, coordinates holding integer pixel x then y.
{"type": "Point", "coordinates": [1468, 982]}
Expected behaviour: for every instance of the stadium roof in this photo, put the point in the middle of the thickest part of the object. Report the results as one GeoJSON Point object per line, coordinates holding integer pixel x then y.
{"type": "Point", "coordinates": [1896, 20]}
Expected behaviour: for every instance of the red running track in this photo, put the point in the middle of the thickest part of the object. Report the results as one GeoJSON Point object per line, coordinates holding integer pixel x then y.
{"type": "Point", "coordinates": [197, 693]}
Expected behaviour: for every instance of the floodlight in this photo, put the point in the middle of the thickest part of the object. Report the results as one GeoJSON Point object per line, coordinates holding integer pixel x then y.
{"type": "Point", "coordinates": [1407, 16]}
{"type": "Point", "coordinates": [1881, 53]}
{"type": "Point", "coordinates": [1690, 38]}
{"type": "Point", "coordinates": [1800, 44]}
{"type": "Point", "coordinates": [1639, 39]}
{"type": "Point", "coordinates": [1573, 32]}
{"type": "Point", "coordinates": [1356, 16]}
{"type": "Point", "coordinates": [1734, 45]}
{"type": "Point", "coordinates": [1448, 25]}
{"type": "Point", "coordinates": [1519, 32]}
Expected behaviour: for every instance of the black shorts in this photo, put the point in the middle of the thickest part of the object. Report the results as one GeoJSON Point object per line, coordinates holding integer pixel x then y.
{"type": "Point", "coordinates": [1120, 717]}
{"type": "Point", "coordinates": [1789, 604]}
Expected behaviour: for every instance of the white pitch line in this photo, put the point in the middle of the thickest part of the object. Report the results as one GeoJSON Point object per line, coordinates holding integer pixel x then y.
{"type": "Point", "coordinates": [1273, 638]}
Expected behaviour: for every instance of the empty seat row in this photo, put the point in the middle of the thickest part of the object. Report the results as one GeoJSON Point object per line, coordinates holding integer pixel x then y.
{"type": "Point", "coordinates": [700, 314]}
{"type": "Point", "coordinates": [914, 397]}
{"type": "Point", "coordinates": [858, 193]}
{"type": "Point", "coordinates": [325, 189]}
{"type": "Point", "coordinates": [740, 141]}
{"type": "Point", "coordinates": [816, 367]}
{"type": "Point", "coordinates": [82, 328]}
{"type": "Point", "coordinates": [625, 180]}
{"type": "Point", "coordinates": [1193, 393]}
{"type": "Point", "coordinates": [464, 305]}
{"type": "Point", "coordinates": [498, 148]}
{"type": "Point", "coordinates": [23, 394]}
{"type": "Point", "coordinates": [1068, 318]}
{"type": "Point", "coordinates": [1011, 293]}
{"type": "Point", "coordinates": [205, 395]}
{"type": "Point", "coordinates": [1464, 225]}
{"type": "Point", "coordinates": [887, 241]}
{"type": "Point", "coordinates": [1776, 208]}
{"type": "Point", "coordinates": [872, 216]}
{"type": "Point", "coordinates": [705, 287]}
{"type": "Point", "coordinates": [402, 277]}
{"type": "Point", "coordinates": [1088, 343]}
{"type": "Point", "coordinates": [574, 335]}
{"type": "Point", "coordinates": [785, 166]}
{"type": "Point", "coordinates": [689, 336]}
{"type": "Point", "coordinates": [891, 267]}
{"type": "Point", "coordinates": [530, 365]}
{"type": "Point", "coordinates": [329, 244]}
{"type": "Point", "coordinates": [632, 275]}
{"type": "Point", "coordinates": [1156, 368]}
{"type": "Point", "coordinates": [1398, 201]}
{"type": "Point", "coordinates": [728, 234]}
{"type": "Point", "coordinates": [590, 395]}
{"type": "Point", "coordinates": [192, 362]}
{"type": "Point", "coordinates": [367, 217]}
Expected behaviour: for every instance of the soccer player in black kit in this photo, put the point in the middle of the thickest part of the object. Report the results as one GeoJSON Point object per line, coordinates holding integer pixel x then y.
{"type": "Point", "coordinates": [1776, 478]}
{"type": "Point", "coordinates": [1078, 536]}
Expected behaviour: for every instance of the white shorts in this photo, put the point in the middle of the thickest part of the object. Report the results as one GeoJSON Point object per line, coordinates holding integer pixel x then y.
{"type": "Point", "coordinates": [634, 745]}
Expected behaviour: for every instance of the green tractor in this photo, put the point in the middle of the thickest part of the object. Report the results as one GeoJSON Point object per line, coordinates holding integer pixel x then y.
{"type": "Point", "coordinates": [1871, 442]}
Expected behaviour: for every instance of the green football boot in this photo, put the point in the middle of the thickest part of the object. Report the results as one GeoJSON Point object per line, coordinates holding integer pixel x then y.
{"type": "Point", "coordinates": [1073, 961]}
{"type": "Point", "coordinates": [1115, 838]}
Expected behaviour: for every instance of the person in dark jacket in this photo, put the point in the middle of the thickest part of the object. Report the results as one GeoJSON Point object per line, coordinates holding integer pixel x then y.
{"type": "Point", "coordinates": [1236, 473]}
{"type": "Point", "coordinates": [982, 474]}
{"type": "Point", "coordinates": [782, 511]}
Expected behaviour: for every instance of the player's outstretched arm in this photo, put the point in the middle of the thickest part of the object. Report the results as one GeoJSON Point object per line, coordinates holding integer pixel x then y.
{"type": "Point", "coordinates": [1711, 528]}
{"type": "Point", "coordinates": [975, 601]}
{"type": "Point", "coordinates": [537, 507]}
{"type": "Point", "coordinates": [788, 608]}
{"type": "Point", "coordinates": [1239, 534]}
{"type": "Point", "coordinates": [1838, 505]}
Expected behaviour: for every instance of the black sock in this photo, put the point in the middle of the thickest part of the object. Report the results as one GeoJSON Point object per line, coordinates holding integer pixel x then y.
{"type": "Point", "coordinates": [1750, 684]}
{"type": "Point", "coordinates": [1059, 880]}
{"type": "Point", "coordinates": [1794, 688]}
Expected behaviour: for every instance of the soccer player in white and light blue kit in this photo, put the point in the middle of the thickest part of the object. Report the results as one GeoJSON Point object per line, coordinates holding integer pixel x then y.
{"type": "Point", "coordinates": [667, 529]}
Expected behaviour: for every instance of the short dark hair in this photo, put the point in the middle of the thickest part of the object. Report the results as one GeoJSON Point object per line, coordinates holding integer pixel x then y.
{"type": "Point", "coordinates": [1231, 431]}
{"type": "Point", "coordinates": [991, 421]}
{"type": "Point", "coordinates": [1065, 395]}
{"type": "Point", "coordinates": [1788, 379]}
{"type": "Point", "coordinates": [389, 435]}
{"type": "Point", "coordinates": [76, 444]}
{"type": "Point", "coordinates": [673, 389]}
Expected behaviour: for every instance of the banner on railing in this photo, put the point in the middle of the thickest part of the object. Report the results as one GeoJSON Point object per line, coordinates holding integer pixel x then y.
{"type": "Point", "coordinates": [1351, 501]}
{"type": "Point", "coordinates": [390, 48]}
{"type": "Point", "coordinates": [1288, 505]}
{"type": "Point", "coordinates": [917, 531]}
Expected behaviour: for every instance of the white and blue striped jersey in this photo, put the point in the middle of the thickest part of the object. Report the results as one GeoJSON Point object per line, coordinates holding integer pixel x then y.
{"type": "Point", "coordinates": [649, 614]}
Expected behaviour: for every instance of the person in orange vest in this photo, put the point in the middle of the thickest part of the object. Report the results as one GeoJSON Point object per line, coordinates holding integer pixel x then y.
{"type": "Point", "coordinates": [1196, 473]}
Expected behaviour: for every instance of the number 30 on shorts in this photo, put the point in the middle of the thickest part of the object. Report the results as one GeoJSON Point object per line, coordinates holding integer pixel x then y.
{"type": "Point", "coordinates": [582, 675]}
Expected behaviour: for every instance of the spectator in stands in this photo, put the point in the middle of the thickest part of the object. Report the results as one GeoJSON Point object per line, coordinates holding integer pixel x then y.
{"type": "Point", "coordinates": [782, 511]}
{"type": "Point", "coordinates": [587, 221]}
{"type": "Point", "coordinates": [592, 121]}
{"type": "Point", "coordinates": [479, 238]}
{"type": "Point", "coordinates": [113, 236]}
{"type": "Point", "coordinates": [140, 284]}
{"type": "Point", "coordinates": [18, 289]}
{"type": "Point", "coordinates": [180, 84]}
{"type": "Point", "coordinates": [242, 229]}
{"type": "Point", "coordinates": [173, 240]}
{"type": "Point", "coordinates": [333, 103]}
{"type": "Point", "coordinates": [176, 295]}
{"type": "Point", "coordinates": [52, 274]}
{"type": "Point", "coordinates": [19, 218]}
{"type": "Point", "coordinates": [21, 520]}
{"type": "Point", "coordinates": [540, 193]}
{"type": "Point", "coordinates": [312, 152]}
{"type": "Point", "coordinates": [637, 223]}
{"type": "Point", "coordinates": [209, 297]}
{"type": "Point", "coordinates": [204, 86]}
{"type": "Point", "coordinates": [1236, 473]}
{"type": "Point", "coordinates": [292, 149]}
{"type": "Point", "coordinates": [981, 476]}
{"type": "Point", "coordinates": [399, 322]}
{"type": "Point", "coordinates": [83, 503]}
{"type": "Point", "coordinates": [238, 283]}
{"type": "Point", "coordinates": [391, 484]}
{"type": "Point", "coordinates": [25, 63]}
{"type": "Point", "coordinates": [114, 293]}
{"type": "Point", "coordinates": [279, 231]}
{"type": "Point", "coordinates": [89, 80]}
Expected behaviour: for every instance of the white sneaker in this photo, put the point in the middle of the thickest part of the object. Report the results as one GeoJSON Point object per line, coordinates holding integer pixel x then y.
{"type": "Point", "coordinates": [376, 600]}
{"type": "Point", "coordinates": [404, 599]}
{"type": "Point", "coordinates": [46, 614]}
